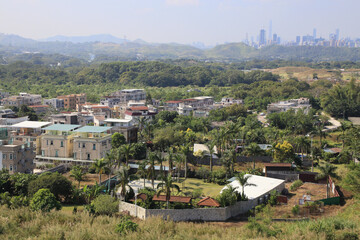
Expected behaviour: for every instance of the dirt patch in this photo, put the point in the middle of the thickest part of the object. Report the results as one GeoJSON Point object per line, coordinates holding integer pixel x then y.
{"type": "Point", "coordinates": [89, 179]}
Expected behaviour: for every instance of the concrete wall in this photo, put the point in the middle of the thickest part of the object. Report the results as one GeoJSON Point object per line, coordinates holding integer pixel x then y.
{"type": "Point", "coordinates": [196, 214]}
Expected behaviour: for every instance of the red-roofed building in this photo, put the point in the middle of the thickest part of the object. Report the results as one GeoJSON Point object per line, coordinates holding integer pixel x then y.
{"type": "Point", "coordinates": [208, 202]}
{"type": "Point", "coordinates": [177, 199]}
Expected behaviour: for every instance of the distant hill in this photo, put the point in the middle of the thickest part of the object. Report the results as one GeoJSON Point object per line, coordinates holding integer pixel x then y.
{"type": "Point", "coordinates": [107, 48]}
{"type": "Point", "coordinates": [105, 38]}
{"type": "Point", "coordinates": [230, 51]}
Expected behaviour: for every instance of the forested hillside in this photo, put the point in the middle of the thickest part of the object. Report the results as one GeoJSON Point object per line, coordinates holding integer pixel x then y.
{"type": "Point", "coordinates": [11, 45]}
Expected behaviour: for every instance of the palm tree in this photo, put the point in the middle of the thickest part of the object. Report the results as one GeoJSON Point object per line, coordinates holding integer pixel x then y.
{"type": "Point", "coordinates": [166, 187]}
{"type": "Point", "coordinates": [142, 171]}
{"type": "Point", "coordinates": [110, 160]}
{"type": "Point", "coordinates": [151, 159]}
{"type": "Point", "coordinates": [318, 131]}
{"type": "Point", "coordinates": [186, 150]}
{"type": "Point", "coordinates": [253, 150]}
{"type": "Point", "coordinates": [127, 150]}
{"type": "Point", "coordinates": [100, 166]}
{"type": "Point", "coordinates": [170, 159]}
{"type": "Point", "coordinates": [344, 126]}
{"type": "Point", "coordinates": [302, 143]}
{"type": "Point", "coordinates": [160, 159]}
{"type": "Point", "coordinates": [77, 173]}
{"type": "Point", "coordinates": [211, 146]}
{"type": "Point", "coordinates": [123, 178]}
{"type": "Point", "coordinates": [244, 182]}
{"type": "Point", "coordinates": [179, 160]}
{"type": "Point", "coordinates": [327, 170]}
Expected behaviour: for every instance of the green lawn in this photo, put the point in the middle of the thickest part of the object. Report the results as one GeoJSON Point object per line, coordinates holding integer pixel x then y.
{"type": "Point", "coordinates": [208, 189]}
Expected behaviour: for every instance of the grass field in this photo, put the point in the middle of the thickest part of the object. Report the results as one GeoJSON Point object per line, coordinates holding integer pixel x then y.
{"type": "Point", "coordinates": [208, 189]}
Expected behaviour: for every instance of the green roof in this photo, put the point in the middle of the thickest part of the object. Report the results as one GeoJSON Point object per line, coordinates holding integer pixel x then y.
{"type": "Point", "coordinates": [62, 127]}
{"type": "Point", "coordinates": [92, 129]}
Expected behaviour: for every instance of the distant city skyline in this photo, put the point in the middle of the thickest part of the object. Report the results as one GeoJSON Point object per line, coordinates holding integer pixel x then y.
{"type": "Point", "coordinates": [182, 21]}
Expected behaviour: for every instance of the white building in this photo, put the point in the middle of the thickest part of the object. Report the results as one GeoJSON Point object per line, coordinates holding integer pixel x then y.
{"type": "Point", "coordinates": [261, 189]}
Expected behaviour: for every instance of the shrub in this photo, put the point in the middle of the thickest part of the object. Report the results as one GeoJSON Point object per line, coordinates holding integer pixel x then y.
{"type": "Point", "coordinates": [105, 205]}
{"type": "Point", "coordinates": [126, 226]}
{"type": "Point", "coordinates": [227, 198]}
{"type": "Point", "coordinates": [348, 236]}
{"type": "Point", "coordinates": [203, 173]}
{"type": "Point", "coordinates": [273, 198]}
{"type": "Point", "coordinates": [219, 176]}
{"type": "Point", "coordinates": [45, 201]}
{"type": "Point", "coordinates": [59, 185]}
{"type": "Point", "coordinates": [295, 210]}
{"type": "Point", "coordinates": [295, 185]}
{"type": "Point", "coordinates": [196, 193]}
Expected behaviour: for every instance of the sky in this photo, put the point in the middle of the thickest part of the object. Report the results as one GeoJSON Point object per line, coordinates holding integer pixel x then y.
{"type": "Point", "coordinates": [181, 21]}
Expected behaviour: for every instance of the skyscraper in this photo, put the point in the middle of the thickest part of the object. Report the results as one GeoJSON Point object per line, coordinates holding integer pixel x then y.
{"type": "Point", "coordinates": [262, 39]}
{"type": "Point", "coordinates": [314, 34]}
{"type": "Point", "coordinates": [337, 34]}
{"type": "Point", "coordinates": [270, 30]}
{"type": "Point", "coordinates": [275, 38]}
{"type": "Point", "coordinates": [298, 40]}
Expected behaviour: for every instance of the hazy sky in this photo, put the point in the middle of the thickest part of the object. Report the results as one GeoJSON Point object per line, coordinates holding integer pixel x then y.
{"type": "Point", "coordinates": [183, 21]}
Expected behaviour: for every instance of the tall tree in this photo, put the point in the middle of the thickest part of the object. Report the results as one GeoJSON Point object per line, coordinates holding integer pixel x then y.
{"type": "Point", "coordinates": [253, 150]}
{"type": "Point", "coordinates": [123, 178]}
{"type": "Point", "coordinates": [166, 186]}
{"type": "Point", "coordinates": [100, 166]}
{"type": "Point", "coordinates": [211, 146]}
{"type": "Point", "coordinates": [78, 174]}
{"type": "Point", "coordinates": [327, 170]}
{"type": "Point", "coordinates": [186, 150]}
{"type": "Point", "coordinates": [127, 150]}
{"type": "Point", "coordinates": [303, 144]}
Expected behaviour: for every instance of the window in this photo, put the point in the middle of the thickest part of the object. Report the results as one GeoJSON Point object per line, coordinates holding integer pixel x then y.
{"type": "Point", "coordinates": [56, 153]}
{"type": "Point", "coordinates": [79, 145]}
{"type": "Point", "coordinates": [10, 168]}
{"type": "Point", "coordinates": [4, 156]}
{"type": "Point", "coordinates": [51, 142]}
{"type": "Point", "coordinates": [88, 156]}
{"type": "Point", "coordinates": [15, 167]}
{"type": "Point", "coordinates": [43, 153]}
{"type": "Point", "coordinates": [94, 146]}
{"type": "Point", "coordinates": [83, 145]}
{"type": "Point", "coordinates": [74, 155]}
{"type": "Point", "coordinates": [62, 144]}
{"type": "Point", "coordinates": [10, 156]}
{"type": "Point", "coordinates": [47, 142]}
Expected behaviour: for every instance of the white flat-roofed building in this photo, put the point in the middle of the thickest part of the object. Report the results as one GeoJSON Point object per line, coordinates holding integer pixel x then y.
{"type": "Point", "coordinates": [263, 186]}
{"type": "Point", "coordinates": [295, 104]}
{"type": "Point", "coordinates": [126, 127]}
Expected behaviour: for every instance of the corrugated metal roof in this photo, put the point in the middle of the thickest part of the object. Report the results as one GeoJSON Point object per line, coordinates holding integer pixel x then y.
{"type": "Point", "coordinates": [92, 129]}
{"type": "Point", "coordinates": [62, 127]}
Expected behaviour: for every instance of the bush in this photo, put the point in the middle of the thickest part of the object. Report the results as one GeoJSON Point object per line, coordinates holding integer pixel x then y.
{"type": "Point", "coordinates": [219, 176]}
{"type": "Point", "coordinates": [295, 210]}
{"type": "Point", "coordinates": [196, 193]}
{"type": "Point", "coordinates": [295, 185]}
{"type": "Point", "coordinates": [105, 205]}
{"type": "Point", "coordinates": [203, 173]}
{"type": "Point", "coordinates": [139, 151]}
{"type": "Point", "coordinates": [227, 198]}
{"type": "Point", "coordinates": [348, 236]}
{"type": "Point", "coordinates": [273, 198]}
{"type": "Point", "coordinates": [126, 226]}
{"type": "Point", "coordinates": [45, 201]}
{"type": "Point", "coordinates": [59, 185]}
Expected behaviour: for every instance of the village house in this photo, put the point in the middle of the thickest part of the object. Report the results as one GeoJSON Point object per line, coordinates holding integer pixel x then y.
{"type": "Point", "coordinates": [22, 99]}
{"type": "Point", "coordinates": [17, 156]}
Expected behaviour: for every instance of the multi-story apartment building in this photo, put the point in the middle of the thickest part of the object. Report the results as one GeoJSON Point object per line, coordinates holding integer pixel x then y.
{"type": "Point", "coordinates": [71, 101]}
{"type": "Point", "coordinates": [126, 95]}
{"type": "Point", "coordinates": [126, 127]}
{"type": "Point", "coordinates": [57, 143]}
{"type": "Point", "coordinates": [139, 112]}
{"type": "Point", "coordinates": [17, 157]}
{"type": "Point", "coordinates": [295, 104]}
{"type": "Point", "coordinates": [28, 132]}
{"type": "Point", "coordinates": [82, 119]}
{"type": "Point", "coordinates": [110, 101]}
{"type": "Point", "coordinates": [22, 99]}
{"type": "Point", "coordinates": [91, 143]}
{"type": "Point", "coordinates": [55, 103]}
